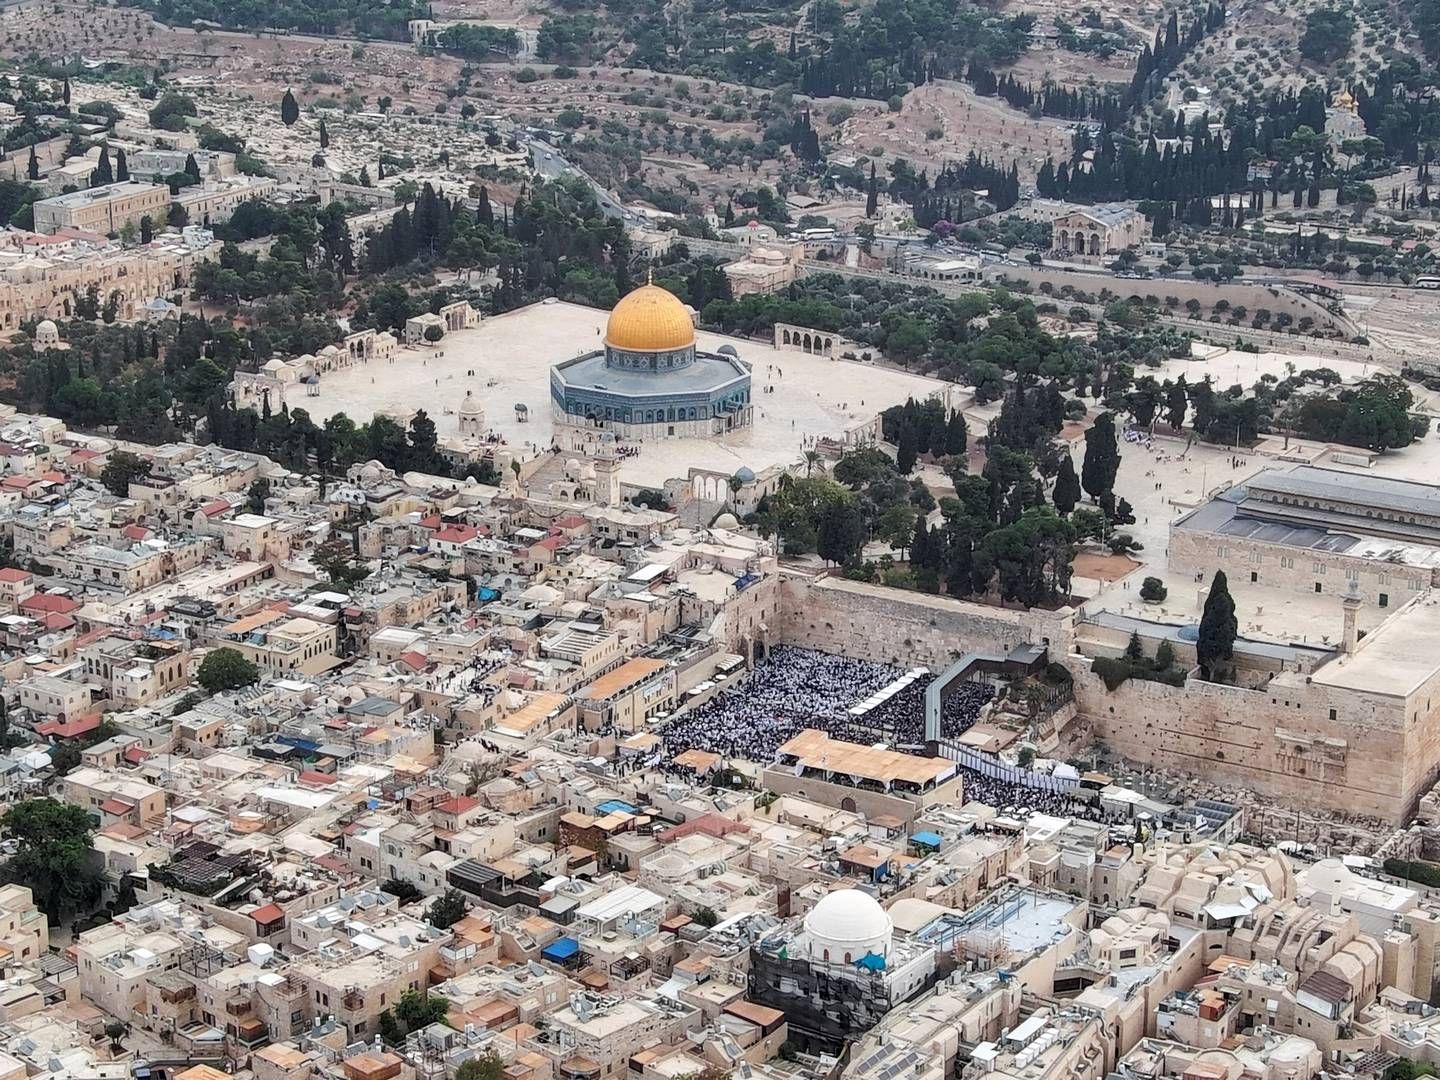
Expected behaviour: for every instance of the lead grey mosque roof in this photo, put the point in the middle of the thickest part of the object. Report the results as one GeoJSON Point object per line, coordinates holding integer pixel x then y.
{"type": "Point", "coordinates": [1380, 492]}
{"type": "Point", "coordinates": [708, 373]}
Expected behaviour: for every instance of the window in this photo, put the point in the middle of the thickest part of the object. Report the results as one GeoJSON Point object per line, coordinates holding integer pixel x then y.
{"type": "Point", "coordinates": [1318, 588]}
{"type": "Point", "coordinates": [1254, 577]}
{"type": "Point", "coordinates": [1332, 714]}
{"type": "Point", "coordinates": [1384, 599]}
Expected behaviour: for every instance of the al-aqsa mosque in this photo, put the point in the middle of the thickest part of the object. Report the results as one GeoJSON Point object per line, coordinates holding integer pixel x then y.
{"type": "Point", "coordinates": [650, 381]}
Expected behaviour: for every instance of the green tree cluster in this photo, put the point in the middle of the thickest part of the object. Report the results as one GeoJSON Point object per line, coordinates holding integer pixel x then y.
{"type": "Point", "coordinates": [226, 669]}
{"type": "Point", "coordinates": [53, 856]}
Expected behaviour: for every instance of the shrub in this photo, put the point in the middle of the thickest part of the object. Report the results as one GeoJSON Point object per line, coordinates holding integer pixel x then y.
{"type": "Point", "coordinates": [1426, 873]}
{"type": "Point", "coordinates": [1113, 672]}
{"type": "Point", "coordinates": [1152, 590]}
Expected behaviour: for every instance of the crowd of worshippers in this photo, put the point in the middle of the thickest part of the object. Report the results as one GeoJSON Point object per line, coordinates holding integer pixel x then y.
{"type": "Point", "coordinates": [789, 690]}
{"type": "Point", "coordinates": [793, 689]}
{"type": "Point", "coordinates": [901, 717]}
{"type": "Point", "coordinates": [1008, 797]}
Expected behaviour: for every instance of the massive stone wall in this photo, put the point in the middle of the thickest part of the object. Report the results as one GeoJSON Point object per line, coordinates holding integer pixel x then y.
{"type": "Point", "coordinates": [1250, 295]}
{"type": "Point", "coordinates": [1288, 736]}
{"type": "Point", "coordinates": [905, 628]}
{"type": "Point", "coordinates": [1293, 740]}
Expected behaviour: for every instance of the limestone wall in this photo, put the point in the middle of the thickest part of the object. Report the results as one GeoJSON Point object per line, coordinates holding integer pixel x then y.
{"type": "Point", "coordinates": [1377, 582]}
{"type": "Point", "coordinates": [1294, 740]}
{"type": "Point", "coordinates": [905, 628]}
{"type": "Point", "coordinates": [1251, 295]}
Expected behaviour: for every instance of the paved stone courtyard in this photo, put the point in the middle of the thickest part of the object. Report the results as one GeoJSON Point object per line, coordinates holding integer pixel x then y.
{"type": "Point", "coordinates": [511, 355]}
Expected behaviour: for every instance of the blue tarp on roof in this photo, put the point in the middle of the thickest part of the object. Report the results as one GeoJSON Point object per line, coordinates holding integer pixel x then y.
{"type": "Point", "coordinates": [563, 949]}
{"type": "Point", "coordinates": [871, 962]}
{"type": "Point", "coordinates": [926, 839]}
{"type": "Point", "coordinates": [298, 743]}
{"type": "Point", "coordinates": [609, 806]}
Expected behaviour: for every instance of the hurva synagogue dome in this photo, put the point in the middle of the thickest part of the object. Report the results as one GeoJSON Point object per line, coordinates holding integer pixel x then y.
{"type": "Point", "coordinates": [650, 381]}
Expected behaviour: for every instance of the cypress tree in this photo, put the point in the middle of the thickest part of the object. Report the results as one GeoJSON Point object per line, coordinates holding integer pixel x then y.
{"type": "Point", "coordinates": [289, 109]}
{"type": "Point", "coordinates": [1067, 487]}
{"type": "Point", "coordinates": [1102, 457]}
{"type": "Point", "coordinates": [906, 451]}
{"type": "Point", "coordinates": [1218, 626]}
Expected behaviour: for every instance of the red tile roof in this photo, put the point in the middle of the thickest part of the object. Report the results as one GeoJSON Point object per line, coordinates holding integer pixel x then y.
{"type": "Point", "coordinates": [270, 913]}
{"type": "Point", "coordinates": [457, 534]}
{"type": "Point", "coordinates": [310, 776]}
{"type": "Point", "coordinates": [135, 532]}
{"type": "Point", "coordinates": [9, 573]}
{"type": "Point", "coordinates": [18, 483]}
{"type": "Point", "coordinates": [416, 661]}
{"type": "Point", "coordinates": [49, 602]}
{"type": "Point", "coordinates": [116, 806]}
{"type": "Point", "coordinates": [213, 509]}
{"type": "Point", "coordinates": [334, 863]}
{"type": "Point", "coordinates": [136, 754]}
{"type": "Point", "coordinates": [69, 729]}
{"type": "Point", "coordinates": [458, 805]}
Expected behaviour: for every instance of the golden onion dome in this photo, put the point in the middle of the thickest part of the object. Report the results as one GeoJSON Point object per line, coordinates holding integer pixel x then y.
{"type": "Point", "coordinates": [649, 320]}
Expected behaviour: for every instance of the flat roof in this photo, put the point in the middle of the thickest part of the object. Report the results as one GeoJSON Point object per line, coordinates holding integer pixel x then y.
{"type": "Point", "coordinates": [631, 899]}
{"type": "Point", "coordinates": [254, 622]}
{"type": "Point", "coordinates": [627, 674]}
{"type": "Point", "coordinates": [1396, 658]}
{"type": "Point", "coordinates": [88, 196]}
{"type": "Point", "coordinates": [817, 750]}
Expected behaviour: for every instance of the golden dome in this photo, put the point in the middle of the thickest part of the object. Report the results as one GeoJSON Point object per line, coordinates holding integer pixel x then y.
{"type": "Point", "coordinates": [650, 320]}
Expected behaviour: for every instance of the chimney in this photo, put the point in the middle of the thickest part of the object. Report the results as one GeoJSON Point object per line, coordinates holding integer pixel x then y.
{"type": "Point", "coordinates": [1351, 603]}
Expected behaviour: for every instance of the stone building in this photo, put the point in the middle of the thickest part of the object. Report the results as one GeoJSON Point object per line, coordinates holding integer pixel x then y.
{"type": "Point", "coordinates": [105, 210]}
{"type": "Point", "coordinates": [278, 379]}
{"type": "Point", "coordinates": [1093, 232]}
{"type": "Point", "coordinates": [1312, 530]}
{"type": "Point", "coordinates": [215, 200]}
{"type": "Point", "coordinates": [34, 287]}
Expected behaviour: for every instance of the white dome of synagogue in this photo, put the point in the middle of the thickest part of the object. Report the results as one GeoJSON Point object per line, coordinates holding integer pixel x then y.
{"type": "Point", "coordinates": [846, 925]}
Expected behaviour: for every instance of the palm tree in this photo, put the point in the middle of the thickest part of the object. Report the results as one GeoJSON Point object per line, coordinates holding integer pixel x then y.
{"type": "Point", "coordinates": [812, 458]}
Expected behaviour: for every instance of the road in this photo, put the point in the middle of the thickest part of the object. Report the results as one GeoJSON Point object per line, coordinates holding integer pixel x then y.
{"type": "Point", "coordinates": [551, 165]}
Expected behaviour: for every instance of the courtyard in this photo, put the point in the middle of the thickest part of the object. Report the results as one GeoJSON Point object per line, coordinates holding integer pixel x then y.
{"type": "Point", "coordinates": [506, 361]}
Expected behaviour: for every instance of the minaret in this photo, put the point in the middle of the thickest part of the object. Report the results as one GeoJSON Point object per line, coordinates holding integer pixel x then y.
{"type": "Point", "coordinates": [607, 478]}
{"type": "Point", "coordinates": [1351, 603]}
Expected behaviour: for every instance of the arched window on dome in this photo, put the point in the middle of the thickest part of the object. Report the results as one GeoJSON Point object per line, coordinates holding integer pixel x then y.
{"type": "Point", "coordinates": [847, 958]}
{"type": "Point", "coordinates": [825, 954]}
